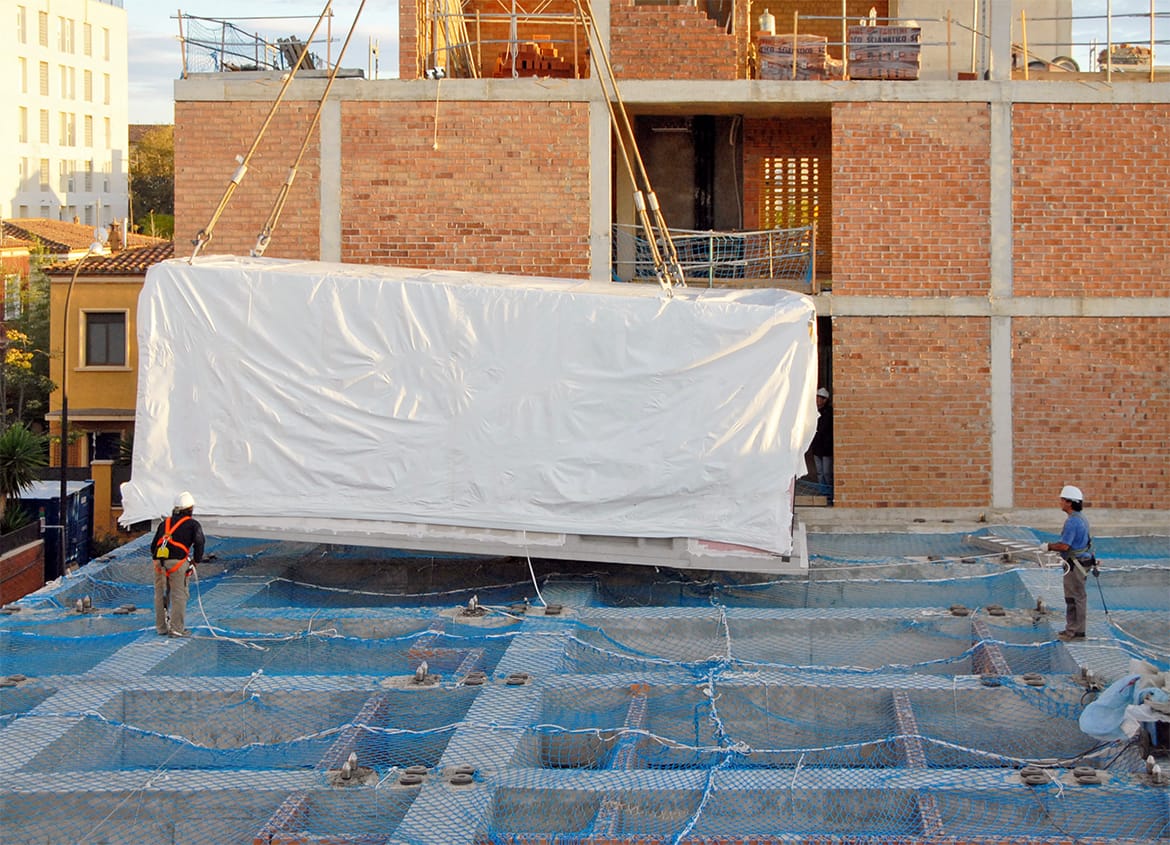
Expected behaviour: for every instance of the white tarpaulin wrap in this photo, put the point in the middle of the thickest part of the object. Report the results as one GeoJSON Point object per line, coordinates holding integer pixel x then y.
{"type": "Point", "coordinates": [286, 390]}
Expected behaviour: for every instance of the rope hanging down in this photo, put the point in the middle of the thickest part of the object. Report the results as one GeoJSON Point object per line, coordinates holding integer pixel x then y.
{"type": "Point", "coordinates": [265, 236]}
{"type": "Point", "coordinates": [666, 267]}
{"type": "Point", "coordinates": [205, 234]}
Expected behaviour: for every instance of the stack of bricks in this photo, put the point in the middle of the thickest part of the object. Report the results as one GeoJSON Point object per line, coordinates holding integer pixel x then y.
{"type": "Point", "coordinates": [812, 57]}
{"type": "Point", "coordinates": [533, 58]}
{"type": "Point", "coordinates": [1125, 57]}
{"type": "Point", "coordinates": [884, 52]}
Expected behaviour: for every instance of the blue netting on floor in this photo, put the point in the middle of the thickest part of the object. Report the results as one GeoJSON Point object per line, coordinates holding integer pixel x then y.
{"type": "Point", "coordinates": [895, 692]}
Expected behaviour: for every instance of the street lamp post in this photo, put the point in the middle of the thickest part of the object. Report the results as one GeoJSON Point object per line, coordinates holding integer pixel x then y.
{"type": "Point", "coordinates": [98, 247]}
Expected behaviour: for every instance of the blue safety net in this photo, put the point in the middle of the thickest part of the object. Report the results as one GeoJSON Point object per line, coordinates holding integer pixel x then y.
{"type": "Point", "coordinates": [906, 688]}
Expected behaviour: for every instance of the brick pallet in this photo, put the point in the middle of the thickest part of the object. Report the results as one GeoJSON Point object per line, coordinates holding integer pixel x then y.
{"type": "Point", "coordinates": [884, 52]}
{"type": "Point", "coordinates": [812, 57]}
{"type": "Point", "coordinates": [534, 59]}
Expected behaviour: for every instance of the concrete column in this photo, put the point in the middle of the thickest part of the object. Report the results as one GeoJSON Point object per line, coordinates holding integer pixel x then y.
{"type": "Point", "coordinates": [1001, 40]}
{"type": "Point", "coordinates": [1002, 269]}
{"type": "Point", "coordinates": [330, 222]}
{"type": "Point", "coordinates": [600, 172]}
{"type": "Point", "coordinates": [600, 193]}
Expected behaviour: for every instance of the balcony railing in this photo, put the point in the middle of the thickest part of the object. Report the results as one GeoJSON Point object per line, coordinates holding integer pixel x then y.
{"type": "Point", "coordinates": [763, 258]}
{"type": "Point", "coordinates": [221, 45]}
{"type": "Point", "coordinates": [536, 41]}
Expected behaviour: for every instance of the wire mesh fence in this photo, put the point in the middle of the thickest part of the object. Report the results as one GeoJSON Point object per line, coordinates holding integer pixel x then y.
{"type": "Point", "coordinates": [216, 45]}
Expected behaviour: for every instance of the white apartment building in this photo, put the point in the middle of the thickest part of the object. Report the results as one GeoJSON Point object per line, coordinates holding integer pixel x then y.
{"type": "Point", "coordinates": [63, 120]}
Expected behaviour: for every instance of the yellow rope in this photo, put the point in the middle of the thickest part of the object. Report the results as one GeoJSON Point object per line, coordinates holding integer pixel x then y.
{"type": "Point", "coordinates": [265, 236]}
{"type": "Point", "coordinates": [667, 268]}
{"type": "Point", "coordinates": [205, 234]}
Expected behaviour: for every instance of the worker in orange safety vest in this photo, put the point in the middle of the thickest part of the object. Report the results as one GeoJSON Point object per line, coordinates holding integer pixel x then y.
{"type": "Point", "coordinates": [176, 548]}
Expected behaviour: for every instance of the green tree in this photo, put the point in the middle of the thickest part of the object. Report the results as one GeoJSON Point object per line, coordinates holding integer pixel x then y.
{"type": "Point", "coordinates": [22, 453]}
{"type": "Point", "coordinates": [152, 175]}
{"type": "Point", "coordinates": [24, 376]}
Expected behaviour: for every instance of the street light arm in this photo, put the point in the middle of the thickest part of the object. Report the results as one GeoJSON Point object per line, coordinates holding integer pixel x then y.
{"type": "Point", "coordinates": [95, 248]}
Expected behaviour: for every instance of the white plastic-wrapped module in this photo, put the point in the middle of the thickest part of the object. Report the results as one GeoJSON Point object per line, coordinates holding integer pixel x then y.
{"type": "Point", "coordinates": [291, 393]}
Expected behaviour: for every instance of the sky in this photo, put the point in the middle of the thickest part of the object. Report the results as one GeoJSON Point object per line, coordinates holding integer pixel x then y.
{"type": "Point", "coordinates": [156, 59]}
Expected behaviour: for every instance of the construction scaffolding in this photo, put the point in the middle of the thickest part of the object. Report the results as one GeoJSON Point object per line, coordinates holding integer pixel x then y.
{"type": "Point", "coordinates": [543, 39]}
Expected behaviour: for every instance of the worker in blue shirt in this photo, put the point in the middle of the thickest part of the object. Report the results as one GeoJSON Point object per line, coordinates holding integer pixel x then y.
{"type": "Point", "coordinates": [1076, 550]}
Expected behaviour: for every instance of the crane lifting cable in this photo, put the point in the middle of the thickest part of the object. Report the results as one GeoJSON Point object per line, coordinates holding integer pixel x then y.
{"type": "Point", "coordinates": [265, 236]}
{"type": "Point", "coordinates": [205, 234]}
{"type": "Point", "coordinates": [666, 267]}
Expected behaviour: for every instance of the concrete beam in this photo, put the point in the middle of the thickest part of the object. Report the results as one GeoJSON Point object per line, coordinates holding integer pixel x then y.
{"type": "Point", "coordinates": [753, 97]}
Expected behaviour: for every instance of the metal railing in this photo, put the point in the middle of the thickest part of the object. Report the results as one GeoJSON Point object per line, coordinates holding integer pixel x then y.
{"type": "Point", "coordinates": [221, 45]}
{"type": "Point", "coordinates": [765, 257]}
{"type": "Point", "coordinates": [475, 43]}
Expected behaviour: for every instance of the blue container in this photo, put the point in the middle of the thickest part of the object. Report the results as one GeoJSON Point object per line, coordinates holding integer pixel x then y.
{"type": "Point", "coordinates": [40, 500]}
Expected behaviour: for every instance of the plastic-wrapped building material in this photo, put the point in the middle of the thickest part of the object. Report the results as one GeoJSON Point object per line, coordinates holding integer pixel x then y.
{"type": "Point", "coordinates": [288, 391]}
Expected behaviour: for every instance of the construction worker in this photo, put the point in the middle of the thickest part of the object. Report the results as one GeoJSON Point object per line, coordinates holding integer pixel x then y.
{"type": "Point", "coordinates": [821, 448]}
{"type": "Point", "coordinates": [176, 548]}
{"type": "Point", "coordinates": [1076, 550]}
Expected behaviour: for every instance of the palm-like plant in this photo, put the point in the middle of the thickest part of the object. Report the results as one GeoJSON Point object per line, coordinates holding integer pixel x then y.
{"type": "Point", "coordinates": [22, 453]}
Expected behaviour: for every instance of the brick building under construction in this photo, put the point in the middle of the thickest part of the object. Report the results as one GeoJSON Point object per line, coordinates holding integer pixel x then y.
{"type": "Point", "coordinates": [991, 275]}
{"type": "Point", "coordinates": [990, 281]}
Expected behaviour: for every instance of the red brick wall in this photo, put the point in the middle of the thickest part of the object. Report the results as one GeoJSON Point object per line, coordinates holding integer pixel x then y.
{"type": "Point", "coordinates": [1091, 199]}
{"type": "Point", "coordinates": [208, 137]}
{"type": "Point", "coordinates": [1091, 404]}
{"type": "Point", "coordinates": [911, 199]}
{"type": "Point", "coordinates": [912, 424]}
{"type": "Point", "coordinates": [22, 571]}
{"type": "Point", "coordinates": [506, 191]}
{"type": "Point", "coordinates": [669, 42]}
{"type": "Point", "coordinates": [408, 47]}
{"type": "Point", "coordinates": [805, 137]}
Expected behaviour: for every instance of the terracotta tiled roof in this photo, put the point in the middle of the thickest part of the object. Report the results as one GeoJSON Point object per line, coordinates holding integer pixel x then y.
{"type": "Point", "coordinates": [128, 262]}
{"type": "Point", "coordinates": [11, 240]}
{"type": "Point", "coordinates": [60, 237]}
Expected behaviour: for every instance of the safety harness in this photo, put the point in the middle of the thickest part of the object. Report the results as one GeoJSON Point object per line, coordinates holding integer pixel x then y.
{"type": "Point", "coordinates": [162, 554]}
{"type": "Point", "coordinates": [1073, 556]}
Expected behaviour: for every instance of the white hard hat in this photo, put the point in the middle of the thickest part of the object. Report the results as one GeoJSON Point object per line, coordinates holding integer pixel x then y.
{"type": "Point", "coordinates": [1073, 494]}
{"type": "Point", "coordinates": [184, 501]}
{"type": "Point", "coordinates": [823, 392]}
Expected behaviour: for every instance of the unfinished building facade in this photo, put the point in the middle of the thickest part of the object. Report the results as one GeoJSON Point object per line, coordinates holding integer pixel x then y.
{"type": "Point", "coordinates": [990, 262]}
